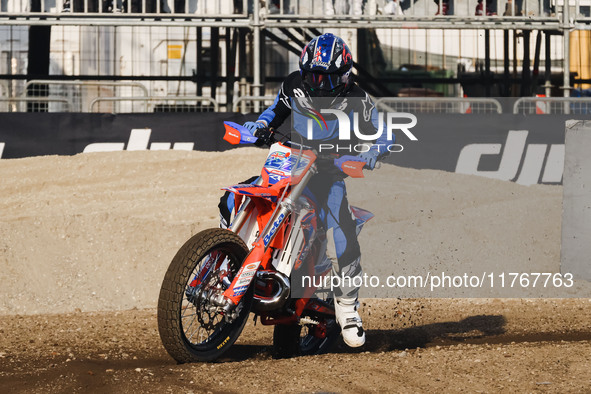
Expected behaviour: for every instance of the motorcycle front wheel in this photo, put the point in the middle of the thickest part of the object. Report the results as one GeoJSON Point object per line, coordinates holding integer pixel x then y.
{"type": "Point", "coordinates": [191, 327]}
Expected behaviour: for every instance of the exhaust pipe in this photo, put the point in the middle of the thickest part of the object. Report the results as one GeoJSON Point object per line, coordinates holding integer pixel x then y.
{"type": "Point", "coordinates": [278, 299]}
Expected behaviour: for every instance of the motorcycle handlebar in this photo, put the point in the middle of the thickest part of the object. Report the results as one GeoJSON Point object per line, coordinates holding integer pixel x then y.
{"type": "Point", "coordinates": [266, 136]}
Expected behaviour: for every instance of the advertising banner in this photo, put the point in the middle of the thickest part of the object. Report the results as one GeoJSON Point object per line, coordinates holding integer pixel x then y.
{"type": "Point", "coordinates": [37, 134]}
{"type": "Point", "coordinates": [523, 149]}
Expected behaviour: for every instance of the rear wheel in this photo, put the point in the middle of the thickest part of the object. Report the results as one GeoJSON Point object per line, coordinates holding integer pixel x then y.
{"type": "Point", "coordinates": [318, 339]}
{"type": "Point", "coordinates": [191, 326]}
{"type": "Point", "coordinates": [305, 340]}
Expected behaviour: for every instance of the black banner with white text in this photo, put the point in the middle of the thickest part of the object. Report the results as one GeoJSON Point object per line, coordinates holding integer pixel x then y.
{"type": "Point", "coordinates": [523, 149]}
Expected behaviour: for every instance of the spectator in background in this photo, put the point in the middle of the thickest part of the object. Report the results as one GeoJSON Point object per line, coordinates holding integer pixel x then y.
{"type": "Point", "coordinates": [491, 8]}
{"type": "Point", "coordinates": [443, 7]}
{"type": "Point", "coordinates": [399, 7]}
{"type": "Point", "coordinates": [274, 6]}
{"type": "Point", "coordinates": [547, 8]}
{"type": "Point", "coordinates": [343, 7]}
{"type": "Point", "coordinates": [392, 7]}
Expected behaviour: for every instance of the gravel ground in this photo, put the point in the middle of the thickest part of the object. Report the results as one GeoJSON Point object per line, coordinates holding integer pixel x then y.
{"type": "Point", "coordinates": [85, 242]}
{"type": "Point", "coordinates": [412, 345]}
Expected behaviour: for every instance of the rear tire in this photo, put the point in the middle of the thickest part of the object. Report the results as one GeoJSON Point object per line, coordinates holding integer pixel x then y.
{"type": "Point", "coordinates": [184, 317]}
{"type": "Point", "coordinates": [286, 341]}
{"type": "Point", "coordinates": [295, 340]}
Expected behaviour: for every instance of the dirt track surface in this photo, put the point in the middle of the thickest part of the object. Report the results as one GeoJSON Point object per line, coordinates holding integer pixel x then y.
{"type": "Point", "coordinates": [85, 242]}
{"type": "Point", "coordinates": [412, 345]}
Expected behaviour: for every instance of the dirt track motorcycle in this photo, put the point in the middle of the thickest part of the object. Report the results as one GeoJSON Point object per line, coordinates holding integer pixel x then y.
{"type": "Point", "coordinates": [219, 276]}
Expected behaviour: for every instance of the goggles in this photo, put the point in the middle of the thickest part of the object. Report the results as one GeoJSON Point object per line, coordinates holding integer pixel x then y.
{"type": "Point", "coordinates": [325, 81]}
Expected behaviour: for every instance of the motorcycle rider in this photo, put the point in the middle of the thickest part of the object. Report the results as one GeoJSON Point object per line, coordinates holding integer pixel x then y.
{"type": "Point", "coordinates": [326, 72]}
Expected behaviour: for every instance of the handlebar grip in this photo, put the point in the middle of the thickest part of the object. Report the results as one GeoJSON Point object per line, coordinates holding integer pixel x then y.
{"type": "Point", "coordinates": [264, 136]}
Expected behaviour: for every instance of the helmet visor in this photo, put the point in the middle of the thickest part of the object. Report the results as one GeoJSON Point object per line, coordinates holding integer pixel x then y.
{"type": "Point", "coordinates": [324, 81]}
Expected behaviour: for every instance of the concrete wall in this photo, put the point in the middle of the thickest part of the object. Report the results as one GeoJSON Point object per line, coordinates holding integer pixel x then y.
{"type": "Point", "coordinates": [576, 205]}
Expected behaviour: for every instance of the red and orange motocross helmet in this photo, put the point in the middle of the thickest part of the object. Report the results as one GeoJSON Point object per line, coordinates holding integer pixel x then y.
{"type": "Point", "coordinates": [325, 65]}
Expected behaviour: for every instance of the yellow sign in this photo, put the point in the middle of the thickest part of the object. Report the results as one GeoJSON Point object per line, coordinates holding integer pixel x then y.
{"type": "Point", "coordinates": [174, 51]}
{"type": "Point", "coordinates": [580, 55]}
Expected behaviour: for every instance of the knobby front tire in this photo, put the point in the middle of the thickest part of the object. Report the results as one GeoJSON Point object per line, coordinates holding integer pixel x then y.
{"type": "Point", "coordinates": [189, 330]}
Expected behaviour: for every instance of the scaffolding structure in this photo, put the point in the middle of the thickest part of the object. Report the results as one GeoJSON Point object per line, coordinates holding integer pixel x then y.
{"type": "Point", "coordinates": [225, 50]}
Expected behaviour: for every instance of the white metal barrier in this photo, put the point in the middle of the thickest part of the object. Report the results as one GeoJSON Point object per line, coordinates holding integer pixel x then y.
{"type": "Point", "coordinates": [456, 105]}
{"type": "Point", "coordinates": [153, 104]}
{"type": "Point", "coordinates": [120, 8]}
{"type": "Point", "coordinates": [35, 104]}
{"type": "Point", "coordinates": [306, 8]}
{"type": "Point", "coordinates": [552, 105]}
{"type": "Point", "coordinates": [250, 104]}
{"type": "Point", "coordinates": [399, 9]}
{"type": "Point", "coordinates": [81, 93]}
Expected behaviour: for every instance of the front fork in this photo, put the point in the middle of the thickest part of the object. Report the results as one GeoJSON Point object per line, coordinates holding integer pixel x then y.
{"type": "Point", "coordinates": [257, 255]}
